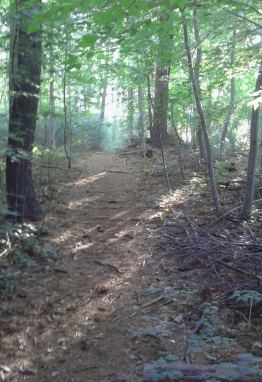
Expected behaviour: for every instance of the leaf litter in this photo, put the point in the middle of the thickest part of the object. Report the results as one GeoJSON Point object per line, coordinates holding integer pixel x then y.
{"type": "Point", "coordinates": [159, 279]}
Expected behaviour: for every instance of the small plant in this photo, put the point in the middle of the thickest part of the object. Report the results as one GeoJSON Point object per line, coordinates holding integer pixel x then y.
{"type": "Point", "coordinates": [163, 369]}
{"type": "Point", "coordinates": [28, 247]}
{"type": "Point", "coordinates": [7, 287]}
{"type": "Point", "coordinates": [246, 296]}
{"type": "Point", "coordinates": [168, 368]}
{"type": "Point", "coordinates": [147, 166]}
{"type": "Point", "coordinates": [21, 258]}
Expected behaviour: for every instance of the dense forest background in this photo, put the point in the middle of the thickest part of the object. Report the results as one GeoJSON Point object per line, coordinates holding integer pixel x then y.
{"type": "Point", "coordinates": [176, 72]}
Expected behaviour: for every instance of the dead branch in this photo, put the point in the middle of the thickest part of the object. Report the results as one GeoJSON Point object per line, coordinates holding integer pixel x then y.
{"type": "Point", "coordinates": [246, 273]}
{"type": "Point", "coordinates": [232, 210]}
{"type": "Point", "coordinates": [199, 373]}
{"type": "Point", "coordinates": [107, 265]}
{"type": "Point", "coordinates": [118, 171]}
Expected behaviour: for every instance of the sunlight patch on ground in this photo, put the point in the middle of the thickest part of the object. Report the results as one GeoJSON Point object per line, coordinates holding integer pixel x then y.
{"type": "Point", "coordinates": [78, 203]}
{"type": "Point", "coordinates": [65, 236]}
{"type": "Point", "coordinates": [90, 179]}
{"type": "Point", "coordinates": [172, 199]}
{"type": "Point", "coordinates": [80, 247]}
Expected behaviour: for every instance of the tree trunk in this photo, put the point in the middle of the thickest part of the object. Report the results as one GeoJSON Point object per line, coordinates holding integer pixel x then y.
{"type": "Point", "coordinates": [149, 106]}
{"type": "Point", "coordinates": [141, 110]}
{"type": "Point", "coordinates": [160, 109]}
{"type": "Point", "coordinates": [103, 103]}
{"type": "Point", "coordinates": [232, 99]}
{"type": "Point", "coordinates": [66, 135]}
{"type": "Point", "coordinates": [199, 132]}
{"type": "Point", "coordinates": [160, 106]}
{"type": "Point", "coordinates": [252, 157]}
{"type": "Point", "coordinates": [201, 144]}
{"type": "Point", "coordinates": [52, 142]}
{"type": "Point", "coordinates": [201, 114]}
{"type": "Point", "coordinates": [130, 108]}
{"type": "Point", "coordinates": [25, 72]}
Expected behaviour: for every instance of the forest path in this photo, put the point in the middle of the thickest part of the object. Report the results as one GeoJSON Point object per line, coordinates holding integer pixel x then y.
{"type": "Point", "coordinates": [77, 318]}
{"type": "Point", "coordinates": [134, 279]}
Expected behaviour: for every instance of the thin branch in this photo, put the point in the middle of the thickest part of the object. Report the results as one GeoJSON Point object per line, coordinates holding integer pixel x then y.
{"type": "Point", "coordinates": [248, 6]}
{"type": "Point", "coordinates": [242, 17]}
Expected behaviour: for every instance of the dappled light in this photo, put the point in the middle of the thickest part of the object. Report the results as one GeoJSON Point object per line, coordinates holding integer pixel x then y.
{"type": "Point", "coordinates": [130, 191]}
{"type": "Point", "coordinates": [130, 272]}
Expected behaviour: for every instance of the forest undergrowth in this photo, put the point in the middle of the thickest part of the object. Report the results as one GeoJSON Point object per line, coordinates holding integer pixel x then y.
{"type": "Point", "coordinates": [125, 281]}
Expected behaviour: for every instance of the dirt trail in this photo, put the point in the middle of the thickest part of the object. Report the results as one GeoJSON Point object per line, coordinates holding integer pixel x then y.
{"type": "Point", "coordinates": [75, 320]}
{"type": "Point", "coordinates": [136, 278]}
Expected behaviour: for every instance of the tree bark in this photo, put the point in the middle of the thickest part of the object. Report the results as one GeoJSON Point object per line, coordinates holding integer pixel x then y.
{"type": "Point", "coordinates": [130, 108]}
{"type": "Point", "coordinates": [141, 110]}
{"type": "Point", "coordinates": [252, 157]}
{"type": "Point", "coordinates": [199, 132]}
{"type": "Point", "coordinates": [103, 103]}
{"type": "Point", "coordinates": [160, 106]}
{"type": "Point", "coordinates": [232, 98]}
{"type": "Point", "coordinates": [149, 105]}
{"type": "Point", "coordinates": [66, 135]}
{"type": "Point", "coordinates": [25, 72]}
{"type": "Point", "coordinates": [52, 141]}
{"type": "Point", "coordinates": [201, 114]}
{"type": "Point", "coordinates": [160, 110]}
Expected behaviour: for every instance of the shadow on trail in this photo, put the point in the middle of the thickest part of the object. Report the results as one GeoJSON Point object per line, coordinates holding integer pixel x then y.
{"type": "Point", "coordinates": [74, 320]}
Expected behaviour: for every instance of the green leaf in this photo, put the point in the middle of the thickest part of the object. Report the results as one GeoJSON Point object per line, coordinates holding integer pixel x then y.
{"type": "Point", "coordinates": [133, 31]}
{"type": "Point", "coordinates": [33, 28]}
{"type": "Point", "coordinates": [105, 17]}
{"type": "Point", "coordinates": [88, 41]}
{"type": "Point", "coordinates": [181, 3]}
{"type": "Point", "coordinates": [89, 55]}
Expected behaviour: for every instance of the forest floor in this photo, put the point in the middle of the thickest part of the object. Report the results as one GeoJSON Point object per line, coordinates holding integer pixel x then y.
{"type": "Point", "coordinates": [142, 274]}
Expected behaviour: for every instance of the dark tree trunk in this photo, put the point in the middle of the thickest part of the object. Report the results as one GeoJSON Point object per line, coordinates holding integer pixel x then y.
{"type": "Point", "coordinates": [130, 108]}
{"type": "Point", "coordinates": [232, 99]}
{"type": "Point", "coordinates": [199, 132]}
{"type": "Point", "coordinates": [158, 133]}
{"type": "Point", "coordinates": [26, 52]}
{"type": "Point", "coordinates": [160, 106]}
{"type": "Point", "coordinates": [252, 157]}
{"type": "Point", "coordinates": [140, 109]}
{"type": "Point", "coordinates": [52, 129]}
{"type": "Point", "coordinates": [149, 106]}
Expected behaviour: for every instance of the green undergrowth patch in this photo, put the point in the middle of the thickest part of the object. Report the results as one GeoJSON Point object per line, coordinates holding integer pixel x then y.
{"type": "Point", "coordinates": [48, 156]}
{"type": "Point", "coordinates": [210, 334]}
{"type": "Point", "coordinates": [22, 247]}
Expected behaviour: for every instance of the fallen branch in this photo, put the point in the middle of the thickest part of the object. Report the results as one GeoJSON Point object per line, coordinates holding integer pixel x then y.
{"type": "Point", "coordinates": [246, 273]}
{"type": "Point", "coordinates": [187, 356]}
{"type": "Point", "coordinates": [107, 265]}
{"type": "Point", "coordinates": [200, 373]}
{"type": "Point", "coordinates": [118, 171]}
{"type": "Point", "coordinates": [232, 210]}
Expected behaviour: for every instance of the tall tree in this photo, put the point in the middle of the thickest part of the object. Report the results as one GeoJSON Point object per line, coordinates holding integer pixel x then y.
{"type": "Point", "coordinates": [25, 72]}
{"type": "Point", "coordinates": [159, 128]}
{"type": "Point", "coordinates": [140, 107]}
{"type": "Point", "coordinates": [52, 127]}
{"type": "Point", "coordinates": [254, 129]}
{"type": "Point", "coordinates": [202, 119]}
{"type": "Point", "coordinates": [103, 101]}
{"type": "Point", "coordinates": [232, 97]}
{"type": "Point", "coordinates": [200, 137]}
